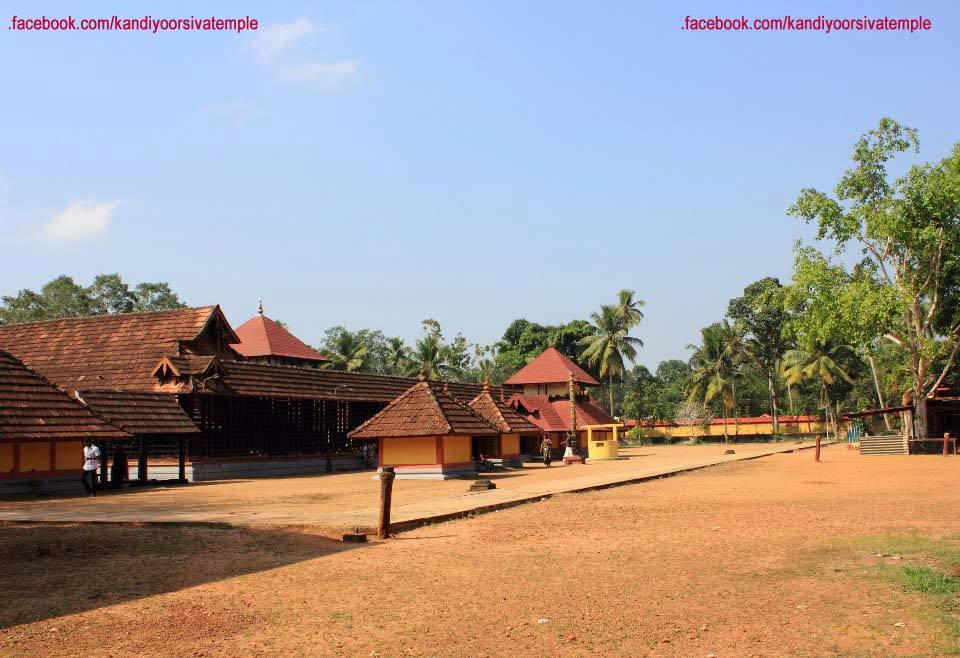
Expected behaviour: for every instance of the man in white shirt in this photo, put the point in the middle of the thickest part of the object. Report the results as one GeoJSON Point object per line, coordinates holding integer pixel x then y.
{"type": "Point", "coordinates": [91, 462]}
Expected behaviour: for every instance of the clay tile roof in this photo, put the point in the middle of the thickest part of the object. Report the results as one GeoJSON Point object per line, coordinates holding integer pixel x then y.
{"type": "Point", "coordinates": [139, 412]}
{"type": "Point", "coordinates": [500, 415]}
{"type": "Point", "coordinates": [33, 409]}
{"type": "Point", "coordinates": [550, 367]}
{"type": "Point", "coordinates": [554, 415]}
{"type": "Point", "coordinates": [261, 336]}
{"type": "Point", "coordinates": [113, 352]}
{"type": "Point", "coordinates": [423, 411]}
{"type": "Point", "coordinates": [187, 364]}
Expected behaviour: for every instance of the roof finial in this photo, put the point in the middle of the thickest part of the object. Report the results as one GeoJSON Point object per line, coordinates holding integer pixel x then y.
{"type": "Point", "coordinates": [446, 386]}
{"type": "Point", "coordinates": [423, 374]}
{"type": "Point", "coordinates": [260, 307]}
{"type": "Point", "coordinates": [486, 382]}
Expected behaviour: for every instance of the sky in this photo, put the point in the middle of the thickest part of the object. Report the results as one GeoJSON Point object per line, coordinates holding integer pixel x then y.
{"type": "Point", "coordinates": [372, 164]}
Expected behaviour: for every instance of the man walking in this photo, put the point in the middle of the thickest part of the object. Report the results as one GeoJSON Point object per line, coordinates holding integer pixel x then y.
{"type": "Point", "coordinates": [91, 461]}
{"type": "Point", "coordinates": [546, 449]}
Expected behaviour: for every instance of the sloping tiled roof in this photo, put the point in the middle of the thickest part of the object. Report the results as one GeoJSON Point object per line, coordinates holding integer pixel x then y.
{"type": "Point", "coordinates": [554, 415]}
{"type": "Point", "coordinates": [33, 409]}
{"type": "Point", "coordinates": [496, 412]}
{"type": "Point", "coordinates": [550, 367]}
{"type": "Point", "coordinates": [114, 352]}
{"type": "Point", "coordinates": [140, 413]}
{"type": "Point", "coordinates": [423, 411]}
{"type": "Point", "coordinates": [261, 336]}
{"type": "Point", "coordinates": [249, 378]}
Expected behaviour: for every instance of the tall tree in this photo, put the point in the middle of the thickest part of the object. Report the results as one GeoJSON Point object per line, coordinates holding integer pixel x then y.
{"type": "Point", "coordinates": [397, 360]}
{"type": "Point", "coordinates": [761, 312]}
{"type": "Point", "coordinates": [609, 346]}
{"type": "Point", "coordinates": [908, 233]}
{"type": "Point", "coordinates": [346, 351]}
{"type": "Point", "coordinates": [819, 362]}
{"type": "Point", "coordinates": [713, 367]}
{"type": "Point", "coordinates": [628, 308]}
{"type": "Point", "coordinates": [109, 294]}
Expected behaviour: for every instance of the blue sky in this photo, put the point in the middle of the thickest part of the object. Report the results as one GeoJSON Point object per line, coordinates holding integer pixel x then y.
{"type": "Point", "coordinates": [372, 164]}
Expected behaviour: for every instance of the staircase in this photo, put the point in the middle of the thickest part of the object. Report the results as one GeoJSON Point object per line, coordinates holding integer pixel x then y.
{"type": "Point", "coordinates": [884, 445]}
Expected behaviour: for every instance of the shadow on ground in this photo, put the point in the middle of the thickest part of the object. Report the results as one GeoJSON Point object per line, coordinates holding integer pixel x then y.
{"type": "Point", "coordinates": [55, 570]}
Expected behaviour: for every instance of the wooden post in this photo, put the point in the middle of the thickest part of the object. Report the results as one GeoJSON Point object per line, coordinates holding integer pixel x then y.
{"type": "Point", "coordinates": [816, 454]}
{"type": "Point", "coordinates": [946, 442]}
{"type": "Point", "coordinates": [182, 458]}
{"type": "Point", "coordinates": [142, 461]}
{"type": "Point", "coordinates": [386, 496]}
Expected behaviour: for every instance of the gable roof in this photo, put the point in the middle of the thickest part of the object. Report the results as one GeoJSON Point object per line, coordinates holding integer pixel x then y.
{"type": "Point", "coordinates": [33, 409]}
{"type": "Point", "coordinates": [261, 336]}
{"type": "Point", "coordinates": [554, 415]}
{"type": "Point", "coordinates": [112, 351]}
{"type": "Point", "coordinates": [423, 411]}
{"type": "Point", "coordinates": [500, 415]}
{"type": "Point", "coordinates": [550, 367]}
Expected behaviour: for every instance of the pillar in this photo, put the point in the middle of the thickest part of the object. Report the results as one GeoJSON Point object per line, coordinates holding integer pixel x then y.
{"type": "Point", "coordinates": [182, 458]}
{"type": "Point", "coordinates": [142, 461]}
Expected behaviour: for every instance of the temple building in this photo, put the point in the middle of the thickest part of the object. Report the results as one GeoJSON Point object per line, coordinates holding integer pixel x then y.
{"type": "Point", "coordinates": [42, 431]}
{"type": "Point", "coordinates": [545, 402]}
{"type": "Point", "coordinates": [512, 428]}
{"type": "Point", "coordinates": [427, 434]}
{"type": "Point", "coordinates": [203, 401]}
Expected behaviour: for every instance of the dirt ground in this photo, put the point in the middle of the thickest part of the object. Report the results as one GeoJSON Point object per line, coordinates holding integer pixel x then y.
{"type": "Point", "coordinates": [345, 495]}
{"type": "Point", "coordinates": [855, 556]}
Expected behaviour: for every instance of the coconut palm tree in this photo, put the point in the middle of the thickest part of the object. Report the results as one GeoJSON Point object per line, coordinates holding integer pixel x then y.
{"type": "Point", "coordinates": [608, 347]}
{"type": "Point", "coordinates": [734, 346]}
{"type": "Point", "coordinates": [712, 374]}
{"type": "Point", "coordinates": [628, 308]}
{"type": "Point", "coordinates": [348, 352]}
{"type": "Point", "coordinates": [397, 358]}
{"type": "Point", "coordinates": [819, 363]}
{"type": "Point", "coordinates": [431, 357]}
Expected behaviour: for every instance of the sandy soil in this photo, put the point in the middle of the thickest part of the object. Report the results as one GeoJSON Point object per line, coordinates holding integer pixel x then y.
{"type": "Point", "coordinates": [771, 557]}
{"type": "Point", "coordinates": [343, 493]}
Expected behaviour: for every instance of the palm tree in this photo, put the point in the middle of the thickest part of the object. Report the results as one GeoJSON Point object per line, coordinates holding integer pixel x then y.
{"type": "Point", "coordinates": [609, 345]}
{"type": "Point", "coordinates": [820, 363]}
{"type": "Point", "coordinates": [733, 339]}
{"type": "Point", "coordinates": [430, 357]}
{"type": "Point", "coordinates": [397, 358]}
{"type": "Point", "coordinates": [349, 352]}
{"type": "Point", "coordinates": [712, 374]}
{"type": "Point", "coordinates": [628, 308]}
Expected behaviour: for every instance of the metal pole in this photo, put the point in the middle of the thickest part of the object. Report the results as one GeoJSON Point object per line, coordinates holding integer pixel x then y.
{"type": "Point", "coordinates": [386, 496]}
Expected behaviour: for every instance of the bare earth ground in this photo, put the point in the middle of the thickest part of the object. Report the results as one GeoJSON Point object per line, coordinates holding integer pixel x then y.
{"type": "Point", "coordinates": [334, 501]}
{"type": "Point", "coordinates": [773, 557]}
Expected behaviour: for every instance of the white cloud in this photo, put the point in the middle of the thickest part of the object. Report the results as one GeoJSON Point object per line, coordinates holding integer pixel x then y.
{"type": "Point", "coordinates": [280, 36]}
{"type": "Point", "coordinates": [322, 74]}
{"type": "Point", "coordinates": [80, 220]}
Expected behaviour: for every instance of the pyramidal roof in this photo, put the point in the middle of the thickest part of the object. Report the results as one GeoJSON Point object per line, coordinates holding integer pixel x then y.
{"type": "Point", "coordinates": [261, 336]}
{"type": "Point", "coordinates": [423, 411]}
{"type": "Point", "coordinates": [499, 414]}
{"type": "Point", "coordinates": [550, 367]}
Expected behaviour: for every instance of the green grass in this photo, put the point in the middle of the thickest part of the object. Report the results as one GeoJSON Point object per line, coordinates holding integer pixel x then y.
{"type": "Point", "coordinates": [929, 581]}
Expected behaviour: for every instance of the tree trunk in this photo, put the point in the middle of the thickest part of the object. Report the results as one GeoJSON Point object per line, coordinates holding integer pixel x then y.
{"type": "Point", "coordinates": [920, 429]}
{"type": "Point", "coordinates": [826, 408]}
{"type": "Point", "coordinates": [610, 381]}
{"type": "Point", "coordinates": [876, 384]}
{"type": "Point", "coordinates": [773, 404]}
{"type": "Point", "coordinates": [726, 436]}
{"type": "Point", "coordinates": [736, 414]}
{"type": "Point", "coordinates": [790, 398]}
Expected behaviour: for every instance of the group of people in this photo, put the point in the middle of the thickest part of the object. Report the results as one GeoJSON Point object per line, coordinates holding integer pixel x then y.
{"type": "Point", "coordinates": [119, 470]}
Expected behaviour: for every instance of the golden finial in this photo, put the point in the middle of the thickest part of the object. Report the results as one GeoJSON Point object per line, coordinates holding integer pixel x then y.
{"type": "Point", "coordinates": [260, 307]}
{"type": "Point", "coordinates": [486, 383]}
{"type": "Point", "coordinates": [423, 374]}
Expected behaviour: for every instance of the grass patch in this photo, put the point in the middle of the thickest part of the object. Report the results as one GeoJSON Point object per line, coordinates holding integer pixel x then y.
{"type": "Point", "coordinates": [929, 581]}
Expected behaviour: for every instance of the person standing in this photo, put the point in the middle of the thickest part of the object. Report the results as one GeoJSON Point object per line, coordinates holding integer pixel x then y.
{"type": "Point", "coordinates": [546, 448]}
{"type": "Point", "coordinates": [91, 461]}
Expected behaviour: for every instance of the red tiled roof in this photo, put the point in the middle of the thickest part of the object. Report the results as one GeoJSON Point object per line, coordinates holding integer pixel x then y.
{"type": "Point", "coordinates": [496, 412]}
{"type": "Point", "coordinates": [33, 409]}
{"type": "Point", "coordinates": [113, 352]}
{"type": "Point", "coordinates": [261, 336]}
{"type": "Point", "coordinates": [554, 415]}
{"type": "Point", "coordinates": [140, 413]}
{"type": "Point", "coordinates": [550, 367]}
{"type": "Point", "coordinates": [423, 411]}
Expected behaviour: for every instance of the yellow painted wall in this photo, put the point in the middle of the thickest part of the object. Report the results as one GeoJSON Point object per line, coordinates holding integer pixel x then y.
{"type": "Point", "coordinates": [601, 444]}
{"type": "Point", "coordinates": [753, 429]}
{"type": "Point", "coordinates": [456, 449]}
{"type": "Point", "coordinates": [6, 457]}
{"type": "Point", "coordinates": [398, 452]}
{"type": "Point", "coordinates": [34, 457]}
{"type": "Point", "coordinates": [510, 444]}
{"type": "Point", "coordinates": [68, 456]}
